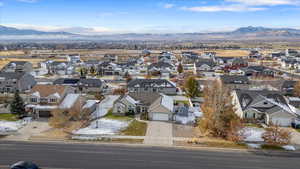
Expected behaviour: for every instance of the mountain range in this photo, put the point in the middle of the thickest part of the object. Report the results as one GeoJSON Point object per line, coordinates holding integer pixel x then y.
{"type": "Point", "coordinates": [243, 33]}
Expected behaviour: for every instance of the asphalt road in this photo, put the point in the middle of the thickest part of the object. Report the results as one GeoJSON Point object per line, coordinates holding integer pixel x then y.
{"type": "Point", "coordinates": [86, 156]}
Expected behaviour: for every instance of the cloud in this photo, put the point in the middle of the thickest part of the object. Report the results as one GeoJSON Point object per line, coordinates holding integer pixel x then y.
{"type": "Point", "coordinates": [265, 2]}
{"type": "Point", "coordinates": [223, 8]}
{"type": "Point", "coordinates": [168, 6]}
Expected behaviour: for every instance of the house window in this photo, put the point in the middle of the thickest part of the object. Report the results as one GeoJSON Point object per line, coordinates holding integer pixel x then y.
{"type": "Point", "coordinates": [33, 100]}
{"type": "Point", "coordinates": [52, 100]}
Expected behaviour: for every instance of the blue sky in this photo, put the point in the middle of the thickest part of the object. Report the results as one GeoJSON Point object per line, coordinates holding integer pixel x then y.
{"type": "Point", "coordinates": [148, 16]}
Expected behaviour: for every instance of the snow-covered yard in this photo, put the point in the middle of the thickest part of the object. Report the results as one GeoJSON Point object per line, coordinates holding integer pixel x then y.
{"type": "Point", "coordinates": [253, 134]}
{"type": "Point", "coordinates": [12, 126]}
{"type": "Point", "coordinates": [103, 127]}
{"type": "Point", "coordinates": [104, 106]}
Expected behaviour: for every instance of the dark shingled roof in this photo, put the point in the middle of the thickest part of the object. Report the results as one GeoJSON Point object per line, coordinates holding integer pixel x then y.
{"type": "Point", "coordinates": [208, 62]}
{"type": "Point", "coordinates": [145, 98]}
{"type": "Point", "coordinates": [70, 81]}
{"type": "Point", "coordinates": [235, 79]}
{"type": "Point", "coordinates": [12, 75]}
{"type": "Point", "coordinates": [160, 65]}
{"type": "Point", "coordinates": [148, 82]}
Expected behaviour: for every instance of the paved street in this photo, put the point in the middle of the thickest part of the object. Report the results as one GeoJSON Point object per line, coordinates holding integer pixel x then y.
{"type": "Point", "coordinates": [97, 156]}
{"type": "Point", "coordinates": [159, 133]}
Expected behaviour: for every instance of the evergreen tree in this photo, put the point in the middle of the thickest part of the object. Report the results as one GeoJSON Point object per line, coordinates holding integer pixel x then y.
{"type": "Point", "coordinates": [92, 70]}
{"type": "Point", "coordinates": [180, 68]}
{"type": "Point", "coordinates": [17, 105]}
{"type": "Point", "coordinates": [191, 87]}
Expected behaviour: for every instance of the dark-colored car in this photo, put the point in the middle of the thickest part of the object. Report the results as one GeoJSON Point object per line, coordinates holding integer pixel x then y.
{"type": "Point", "coordinates": [24, 165]}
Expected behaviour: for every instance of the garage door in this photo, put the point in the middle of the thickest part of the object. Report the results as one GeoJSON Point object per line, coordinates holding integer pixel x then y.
{"type": "Point", "coordinates": [160, 117]}
{"type": "Point", "coordinates": [284, 122]}
{"type": "Point", "coordinates": [44, 114]}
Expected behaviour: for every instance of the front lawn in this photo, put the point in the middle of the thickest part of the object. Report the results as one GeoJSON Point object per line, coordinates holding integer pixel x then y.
{"type": "Point", "coordinates": [135, 128]}
{"type": "Point", "coordinates": [112, 116]}
{"type": "Point", "coordinates": [298, 130]}
{"type": "Point", "coordinates": [8, 117]}
{"type": "Point", "coordinates": [271, 147]}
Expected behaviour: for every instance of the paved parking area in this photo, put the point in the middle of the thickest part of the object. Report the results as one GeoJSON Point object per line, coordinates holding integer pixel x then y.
{"type": "Point", "coordinates": [159, 133]}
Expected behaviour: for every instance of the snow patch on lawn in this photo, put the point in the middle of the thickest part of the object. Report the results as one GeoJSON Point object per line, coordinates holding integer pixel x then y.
{"type": "Point", "coordinates": [255, 146]}
{"type": "Point", "coordinates": [253, 134]}
{"type": "Point", "coordinates": [103, 127]}
{"type": "Point", "coordinates": [289, 148]}
{"type": "Point", "coordinates": [13, 126]}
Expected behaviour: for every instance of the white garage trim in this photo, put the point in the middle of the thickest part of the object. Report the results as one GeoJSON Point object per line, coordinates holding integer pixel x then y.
{"type": "Point", "coordinates": [160, 117]}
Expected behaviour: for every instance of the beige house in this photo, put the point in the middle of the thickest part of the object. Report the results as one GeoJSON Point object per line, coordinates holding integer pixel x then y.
{"type": "Point", "coordinates": [162, 109]}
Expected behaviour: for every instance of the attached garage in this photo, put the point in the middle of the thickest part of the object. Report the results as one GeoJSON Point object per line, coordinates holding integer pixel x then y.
{"type": "Point", "coordinates": [44, 114]}
{"type": "Point", "coordinates": [160, 117]}
{"type": "Point", "coordinates": [282, 121]}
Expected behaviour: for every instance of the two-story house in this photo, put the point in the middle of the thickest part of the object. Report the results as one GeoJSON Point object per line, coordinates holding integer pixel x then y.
{"type": "Point", "coordinates": [18, 66]}
{"type": "Point", "coordinates": [13, 81]}
{"type": "Point", "coordinates": [152, 86]}
{"type": "Point", "coordinates": [43, 99]}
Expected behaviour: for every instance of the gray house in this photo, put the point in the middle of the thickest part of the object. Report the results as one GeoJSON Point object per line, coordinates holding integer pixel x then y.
{"type": "Point", "coordinates": [269, 107]}
{"type": "Point", "coordinates": [136, 102]}
{"type": "Point", "coordinates": [162, 109]}
{"type": "Point", "coordinates": [152, 85]}
{"type": "Point", "coordinates": [12, 81]}
{"type": "Point", "coordinates": [18, 66]}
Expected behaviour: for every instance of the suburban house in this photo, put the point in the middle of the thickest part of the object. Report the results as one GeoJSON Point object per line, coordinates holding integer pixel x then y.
{"type": "Point", "coordinates": [183, 115]}
{"type": "Point", "coordinates": [82, 84]}
{"type": "Point", "coordinates": [161, 67]}
{"type": "Point", "coordinates": [189, 57]}
{"type": "Point", "coordinates": [269, 107]}
{"type": "Point", "coordinates": [235, 81]}
{"type": "Point", "coordinates": [135, 102]}
{"type": "Point", "coordinates": [152, 85]}
{"type": "Point", "coordinates": [60, 68]}
{"type": "Point", "coordinates": [258, 71]}
{"type": "Point", "coordinates": [91, 63]}
{"type": "Point", "coordinates": [74, 59]}
{"type": "Point", "coordinates": [162, 109]}
{"type": "Point", "coordinates": [18, 66]}
{"type": "Point", "coordinates": [13, 81]}
{"type": "Point", "coordinates": [108, 69]}
{"type": "Point", "coordinates": [110, 58]}
{"type": "Point", "coordinates": [43, 99]}
{"type": "Point", "coordinates": [204, 65]}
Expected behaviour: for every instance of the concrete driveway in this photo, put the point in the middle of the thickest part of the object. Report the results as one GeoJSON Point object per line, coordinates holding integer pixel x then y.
{"type": "Point", "coordinates": [159, 133]}
{"type": "Point", "coordinates": [32, 129]}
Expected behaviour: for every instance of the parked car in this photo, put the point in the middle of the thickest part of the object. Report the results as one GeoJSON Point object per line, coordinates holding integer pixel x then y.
{"type": "Point", "coordinates": [24, 165]}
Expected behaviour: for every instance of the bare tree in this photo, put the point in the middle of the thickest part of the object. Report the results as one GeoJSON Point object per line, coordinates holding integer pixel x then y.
{"type": "Point", "coordinates": [219, 119]}
{"type": "Point", "coordinates": [275, 135]}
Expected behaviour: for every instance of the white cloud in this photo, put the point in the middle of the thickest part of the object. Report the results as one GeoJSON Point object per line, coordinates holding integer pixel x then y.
{"type": "Point", "coordinates": [223, 8]}
{"type": "Point", "coordinates": [265, 2]}
{"type": "Point", "coordinates": [168, 6]}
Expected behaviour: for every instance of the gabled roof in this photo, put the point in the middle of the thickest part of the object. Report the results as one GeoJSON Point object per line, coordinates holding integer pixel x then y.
{"type": "Point", "coordinates": [160, 65]}
{"type": "Point", "coordinates": [48, 90]}
{"type": "Point", "coordinates": [234, 79]}
{"type": "Point", "coordinates": [150, 83]}
{"type": "Point", "coordinates": [12, 75]}
{"type": "Point", "coordinates": [18, 63]}
{"type": "Point", "coordinates": [145, 98]}
{"type": "Point", "coordinates": [71, 81]}
{"type": "Point", "coordinates": [208, 62]}
{"type": "Point", "coordinates": [165, 101]}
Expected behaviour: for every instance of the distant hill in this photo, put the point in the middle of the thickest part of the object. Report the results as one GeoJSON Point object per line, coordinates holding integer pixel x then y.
{"type": "Point", "coordinates": [240, 34]}
{"type": "Point", "coordinates": [8, 31]}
